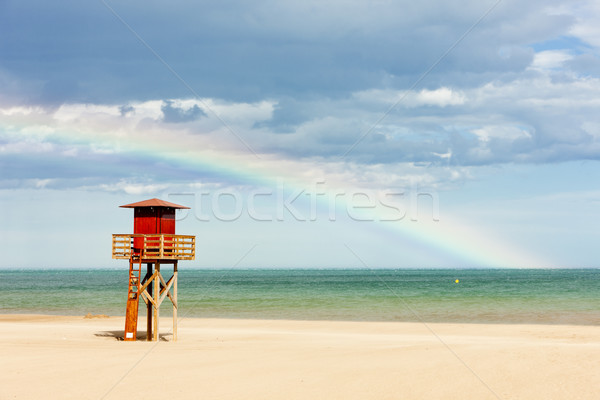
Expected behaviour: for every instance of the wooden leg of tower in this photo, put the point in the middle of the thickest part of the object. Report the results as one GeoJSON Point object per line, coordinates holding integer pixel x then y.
{"type": "Point", "coordinates": [156, 299]}
{"type": "Point", "coordinates": [175, 303]}
{"type": "Point", "coordinates": [149, 304]}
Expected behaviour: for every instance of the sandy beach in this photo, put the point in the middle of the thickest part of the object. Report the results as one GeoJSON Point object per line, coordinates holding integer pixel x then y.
{"type": "Point", "coordinates": [59, 357]}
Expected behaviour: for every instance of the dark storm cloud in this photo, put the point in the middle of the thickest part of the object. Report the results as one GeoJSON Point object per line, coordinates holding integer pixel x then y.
{"type": "Point", "coordinates": [80, 52]}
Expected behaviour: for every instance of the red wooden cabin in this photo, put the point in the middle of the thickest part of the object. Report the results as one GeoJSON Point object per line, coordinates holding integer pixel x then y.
{"type": "Point", "coordinates": [153, 216]}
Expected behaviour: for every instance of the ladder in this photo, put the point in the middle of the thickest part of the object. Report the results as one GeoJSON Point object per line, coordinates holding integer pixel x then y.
{"type": "Point", "coordinates": [133, 297]}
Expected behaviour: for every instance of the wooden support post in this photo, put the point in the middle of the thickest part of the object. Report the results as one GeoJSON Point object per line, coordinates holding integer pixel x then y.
{"type": "Point", "coordinates": [174, 300]}
{"type": "Point", "coordinates": [149, 304]}
{"type": "Point", "coordinates": [156, 296]}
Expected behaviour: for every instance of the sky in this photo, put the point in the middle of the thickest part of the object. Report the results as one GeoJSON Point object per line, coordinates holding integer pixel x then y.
{"type": "Point", "coordinates": [338, 134]}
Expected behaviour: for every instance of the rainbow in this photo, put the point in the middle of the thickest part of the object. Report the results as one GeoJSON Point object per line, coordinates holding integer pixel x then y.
{"type": "Point", "coordinates": [106, 130]}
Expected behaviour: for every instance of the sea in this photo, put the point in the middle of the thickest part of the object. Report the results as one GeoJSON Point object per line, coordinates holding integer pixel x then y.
{"type": "Point", "coordinates": [513, 296]}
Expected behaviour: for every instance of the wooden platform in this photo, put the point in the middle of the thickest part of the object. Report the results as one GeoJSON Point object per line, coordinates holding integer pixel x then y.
{"type": "Point", "coordinates": [154, 247]}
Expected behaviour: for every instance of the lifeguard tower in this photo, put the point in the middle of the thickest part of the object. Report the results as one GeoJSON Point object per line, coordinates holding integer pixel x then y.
{"type": "Point", "coordinates": [154, 243]}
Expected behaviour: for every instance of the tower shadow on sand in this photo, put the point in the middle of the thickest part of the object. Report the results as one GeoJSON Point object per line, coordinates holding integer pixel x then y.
{"type": "Point", "coordinates": [141, 336]}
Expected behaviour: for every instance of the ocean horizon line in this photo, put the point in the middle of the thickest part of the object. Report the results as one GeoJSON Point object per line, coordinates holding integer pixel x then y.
{"type": "Point", "coordinates": [266, 268]}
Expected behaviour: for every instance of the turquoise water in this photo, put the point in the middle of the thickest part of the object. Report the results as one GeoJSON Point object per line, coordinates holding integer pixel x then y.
{"type": "Point", "coordinates": [486, 296]}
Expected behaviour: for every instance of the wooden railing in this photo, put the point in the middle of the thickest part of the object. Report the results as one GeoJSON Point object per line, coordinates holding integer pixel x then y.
{"type": "Point", "coordinates": [159, 247]}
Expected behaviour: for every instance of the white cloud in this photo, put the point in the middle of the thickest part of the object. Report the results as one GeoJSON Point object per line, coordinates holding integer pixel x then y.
{"type": "Point", "coordinates": [586, 27]}
{"type": "Point", "coordinates": [42, 183]}
{"type": "Point", "coordinates": [550, 59]}
{"type": "Point", "coordinates": [133, 188]}
{"type": "Point", "coordinates": [20, 110]}
{"type": "Point", "coordinates": [27, 146]}
{"type": "Point", "coordinates": [440, 97]}
{"type": "Point", "coordinates": [508, 133]}
{"type": "Point", "coordinates": [70, 112]}
{"type": "Point", "coordinates": [147, 109]}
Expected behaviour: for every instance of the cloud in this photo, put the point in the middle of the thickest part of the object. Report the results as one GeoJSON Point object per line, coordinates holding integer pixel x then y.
{"type": "Point", "coordinates": [440, 97]}
{"type": "Point", "coordinates": [126, 109]}
{"type": "Point", "coordinates": [312, 89]}
{"type": "Point", "coordinates": [246, 52]}
{"type": "Point", "coordinates": [435, 136]}
{"type": "Point", "coordinates": [550, 59]}
{"type": "Point", "coordinates": [132, 187]}
{"type": "Point", "coordinates": [174, 114]}
{"type": "Point", "coordinates": [586, 15]}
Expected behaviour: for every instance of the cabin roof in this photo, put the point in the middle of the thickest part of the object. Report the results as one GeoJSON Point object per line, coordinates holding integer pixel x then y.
{"type": "Point", "coordinates": [153, 203]}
